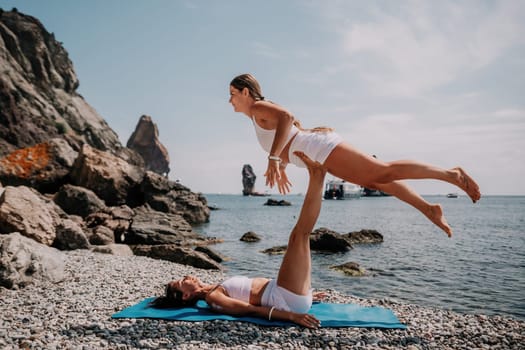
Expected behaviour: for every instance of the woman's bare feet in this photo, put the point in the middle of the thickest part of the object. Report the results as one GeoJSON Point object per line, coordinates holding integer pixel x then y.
{"type": "Point", "coordinates": [435, 214]}
{"type": "Point", "coordinates": [467, 184]}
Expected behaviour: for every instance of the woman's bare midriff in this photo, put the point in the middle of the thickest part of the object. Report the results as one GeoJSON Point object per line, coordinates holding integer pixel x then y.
{"type": "Point", "coordinates": [258, 286]}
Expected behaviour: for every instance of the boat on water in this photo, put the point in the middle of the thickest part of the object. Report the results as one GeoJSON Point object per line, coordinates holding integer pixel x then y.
{"type": "Point", "coordinates": [452, 195]}
{"type": "Point", "coordinates": [340, 189]}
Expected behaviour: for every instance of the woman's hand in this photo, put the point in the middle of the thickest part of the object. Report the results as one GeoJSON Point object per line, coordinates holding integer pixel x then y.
{"type": "Point", "coordinates": [316, 169]}
{"type": "Point", "coordinates": [306, 320]}
{"type": "Point", "coordinates": [272, 174]}
{"type": "Point", "coordinates": [283, 183]}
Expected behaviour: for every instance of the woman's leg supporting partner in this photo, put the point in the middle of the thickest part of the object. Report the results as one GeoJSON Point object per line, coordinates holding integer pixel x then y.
{"type": "Point", "coordinates": [296, 267]}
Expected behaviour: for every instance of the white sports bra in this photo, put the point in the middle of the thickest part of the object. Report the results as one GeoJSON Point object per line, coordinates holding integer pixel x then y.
{"type": "Point", "coordinates": [266, 137]}
{"type": "Point", "coordinates": [238, 287]}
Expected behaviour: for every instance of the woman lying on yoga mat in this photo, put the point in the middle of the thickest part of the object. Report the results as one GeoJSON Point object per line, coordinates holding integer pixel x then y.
{"type": "Point", "coordinates": [287, 298]}
{"type": "Point", "coordinates": [280, 134]}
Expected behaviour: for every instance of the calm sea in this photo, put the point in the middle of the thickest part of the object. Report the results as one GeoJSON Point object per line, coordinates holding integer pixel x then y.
{"type": "Point", "coordinates": [481, 269]}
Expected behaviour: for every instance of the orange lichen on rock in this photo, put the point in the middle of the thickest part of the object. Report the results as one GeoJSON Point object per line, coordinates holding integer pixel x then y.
{"type": "Point", "coordinates": [25, 162]}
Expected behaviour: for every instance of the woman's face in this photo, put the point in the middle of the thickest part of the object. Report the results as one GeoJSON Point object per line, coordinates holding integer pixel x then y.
{"type": "Point", "coordinates": [239, 99]}
{"type": "Point", "coordinates": [186, 285]}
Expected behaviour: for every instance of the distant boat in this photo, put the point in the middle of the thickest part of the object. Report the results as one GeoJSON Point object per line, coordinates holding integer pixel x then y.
{"type": "Point", "coordinates": [452, 195]}
{"type": "Point", "coordinates": [369, 192]}
{"type": "Point", "coordinates": [340, 189]}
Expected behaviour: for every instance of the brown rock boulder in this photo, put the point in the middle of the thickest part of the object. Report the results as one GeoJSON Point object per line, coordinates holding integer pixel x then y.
{"type": "Point", "coordinates": [24, 210]}
{"type": "Point", "coordinates": [80, 201]}
{"type": "Point", "coordinates": [111, 178]}
{"type": "Point", "coordinates": [44, 166]}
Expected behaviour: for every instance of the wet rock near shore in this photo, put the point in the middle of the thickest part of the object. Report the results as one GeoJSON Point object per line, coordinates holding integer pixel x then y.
{"type": "Point", "coordinates": [278, 203]}
{"type": "Point", "coordinates": [364, 236]}
{"type": "Point", "coordinates": [323, 239]}
{"type": "Point", "coordinates": [250, 236]}
{"type": "Point", "coordinates": [351, 268]}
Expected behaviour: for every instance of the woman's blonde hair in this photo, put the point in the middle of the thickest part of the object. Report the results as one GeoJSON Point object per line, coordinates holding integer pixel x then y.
{"type": "Point", "coordinates": [254, 89]}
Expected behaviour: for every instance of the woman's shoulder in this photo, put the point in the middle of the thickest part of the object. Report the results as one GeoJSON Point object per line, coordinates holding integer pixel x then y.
{"type": "Point", "coordinates": [267, 110]}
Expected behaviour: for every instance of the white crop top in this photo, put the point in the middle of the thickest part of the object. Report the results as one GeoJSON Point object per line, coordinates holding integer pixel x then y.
{"type": "Point", "coordinates": [238, 287]}
{"type": "Point", "coordinates": [266, 137]}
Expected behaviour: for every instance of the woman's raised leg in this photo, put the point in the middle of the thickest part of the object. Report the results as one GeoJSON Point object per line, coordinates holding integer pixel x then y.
{"type": "Point", "coordinates": [433, 212]}
{"type": "Point", "coordinates": [296, 268]}
{"type": "Point", "coordinates": [349, 164]}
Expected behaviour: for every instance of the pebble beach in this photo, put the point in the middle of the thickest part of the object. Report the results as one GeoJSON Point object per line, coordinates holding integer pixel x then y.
{"type": "Point", "coordinates": [76, 314]}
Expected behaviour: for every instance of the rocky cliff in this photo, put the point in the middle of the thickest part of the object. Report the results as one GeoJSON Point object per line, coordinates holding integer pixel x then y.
{"type": "Point", "coordinates": [66, 181]}
{"type": "Point", "coordinates": [38, 98]}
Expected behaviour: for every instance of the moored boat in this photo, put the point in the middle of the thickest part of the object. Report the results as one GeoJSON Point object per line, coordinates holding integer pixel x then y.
{"type": "Point", "coordinates": [340, 189]}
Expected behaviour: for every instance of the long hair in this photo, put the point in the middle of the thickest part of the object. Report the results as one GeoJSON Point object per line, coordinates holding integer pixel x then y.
{"type": "Point", "coordinates": [254, 89]}
{"type": "Point", "coordinates": [172, 298]}
{"type": "Point", "coordinates": [248, 81]}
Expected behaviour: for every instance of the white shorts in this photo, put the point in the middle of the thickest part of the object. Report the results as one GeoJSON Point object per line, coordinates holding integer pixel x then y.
{"type": "Point", "coordinates": [283, 299]}
{"type": "Point", "coordinates": [316, 145]}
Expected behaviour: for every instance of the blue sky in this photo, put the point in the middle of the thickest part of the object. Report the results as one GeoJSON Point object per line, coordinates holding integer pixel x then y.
{"type": "Point", "coordinates": [438, 81]}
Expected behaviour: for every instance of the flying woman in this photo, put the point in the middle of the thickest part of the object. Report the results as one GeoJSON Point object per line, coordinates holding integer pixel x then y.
{"type": "Point", "coordinates": [281, 135]}
{"type": "Point", "coordinates": [289, 297]}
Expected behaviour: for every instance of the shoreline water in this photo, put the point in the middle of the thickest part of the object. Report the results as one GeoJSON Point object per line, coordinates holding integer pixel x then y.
{"type": "Point", "coordinates": [75, 314]}
{"type": "Point", "coordinates": [478, 270]}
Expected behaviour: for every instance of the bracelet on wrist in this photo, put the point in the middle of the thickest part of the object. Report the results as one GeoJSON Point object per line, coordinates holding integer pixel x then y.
{"type": "Point", "coordinates": [277, 159]}
{"type": "Point", "coordinates": [270, 313]}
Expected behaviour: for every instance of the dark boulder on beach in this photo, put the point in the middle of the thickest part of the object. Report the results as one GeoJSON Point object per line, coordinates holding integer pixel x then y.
{"type": "Point", "coordinates": [177, 254]}
{"type": "Point", "coordinates": [76, 200]}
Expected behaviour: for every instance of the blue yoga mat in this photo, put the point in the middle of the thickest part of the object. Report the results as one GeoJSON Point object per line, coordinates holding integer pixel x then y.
{"type": "Point", "coordinates": [330, 315]}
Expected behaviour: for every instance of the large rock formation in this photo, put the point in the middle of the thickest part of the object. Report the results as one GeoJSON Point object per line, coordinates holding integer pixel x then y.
{"type": "Point", "coordinates": [248, 180]}
{"type": "Point", "coordinates": [145, 141]}
{"type": "Point", "coordinates": [38, 98]}
{"type": "Point", "coordinates": [68, 181]}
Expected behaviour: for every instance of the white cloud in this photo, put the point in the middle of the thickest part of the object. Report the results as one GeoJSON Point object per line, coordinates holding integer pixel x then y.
{"type": "Point", "coordinates": [428, 44]}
